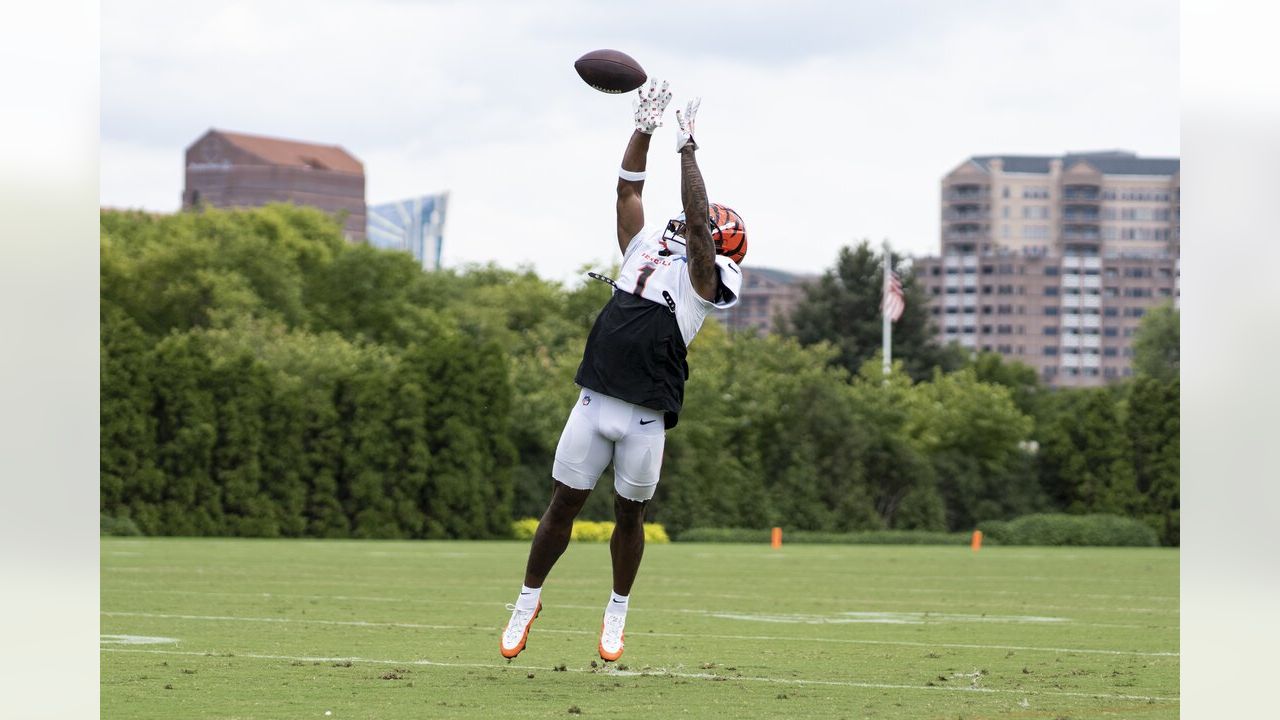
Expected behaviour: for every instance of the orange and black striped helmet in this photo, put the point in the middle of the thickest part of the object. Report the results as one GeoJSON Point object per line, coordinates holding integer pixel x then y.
{"type": "Point", "coordinates": [727, 231]}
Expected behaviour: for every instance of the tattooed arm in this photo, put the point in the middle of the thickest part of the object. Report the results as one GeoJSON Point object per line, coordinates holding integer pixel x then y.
{"type": "Point", "coordinates": [701, 248]}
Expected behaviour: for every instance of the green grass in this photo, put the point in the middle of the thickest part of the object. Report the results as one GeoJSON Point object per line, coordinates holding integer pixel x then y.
{"type": "Point", "coordinates": [290, 629]}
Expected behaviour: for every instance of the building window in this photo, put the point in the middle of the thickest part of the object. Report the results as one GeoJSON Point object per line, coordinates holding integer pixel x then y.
{"type": "Point", "coordinates": [1050, 349]}
{"type": "Point", "coordinates": [1110, 312]}
{"type": "Point", "coordinates": [1110, 332]}
{"type": "Point", "coordinates": [1051, 290]}
{"type": "Point", "coordinates": [1050, 330]}
{"type": "Point", "coordinates": [1050, 269]}
{"type": "Point", "coordinates": [1051, 310]}
{"type": "Point", "coordinates": [1109, 352]}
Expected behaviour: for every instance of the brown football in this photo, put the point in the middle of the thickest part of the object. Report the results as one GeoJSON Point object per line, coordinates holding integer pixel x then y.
{"type": "Point", "coordinates": [610, 71]}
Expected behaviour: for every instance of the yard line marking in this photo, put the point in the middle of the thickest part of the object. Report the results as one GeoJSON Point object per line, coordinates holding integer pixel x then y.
{"type": "Point", "coordinates": [135, 640]}
{"type": "Point", "coordinates": [766, 638]}
{"type": "Point", "coordinates": [438, 601]}
{"type": "Point", "coordinates": [666, 673]}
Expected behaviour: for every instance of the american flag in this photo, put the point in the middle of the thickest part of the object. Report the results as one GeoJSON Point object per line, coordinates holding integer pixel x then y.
{"type": "Point", "coordinates": [892, 302]}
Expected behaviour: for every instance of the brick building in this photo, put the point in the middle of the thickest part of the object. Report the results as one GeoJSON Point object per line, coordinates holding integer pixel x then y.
{"type": "Point", "coordinates": [226, 169]}
{"type": "Point", "coordinates": [767, 294]}
{"type": "Point", "coordinates": [1053, 261]}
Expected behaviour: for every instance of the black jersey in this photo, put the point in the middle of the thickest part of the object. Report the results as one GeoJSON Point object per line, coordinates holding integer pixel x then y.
{"type": "Point", "coordinates": [637, 348]}
{"type": "Point", "coordinates": [635, 353]}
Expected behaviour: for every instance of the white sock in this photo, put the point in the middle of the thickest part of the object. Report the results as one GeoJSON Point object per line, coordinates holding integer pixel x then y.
{"type": "Point", "coordinates": [617, 604]}
{"type": "Point", "coordinates": [528, 599]}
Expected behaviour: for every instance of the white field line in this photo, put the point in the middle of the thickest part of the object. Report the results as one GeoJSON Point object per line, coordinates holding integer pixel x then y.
{"type": "Point", "coordinates": [765, 638]}
{"type": "Point", "coordinates": [322, 576]}
{"type": "Point", "coordinates": [435, 601]}
{"type": "Point", "coordinates": [668, 673]}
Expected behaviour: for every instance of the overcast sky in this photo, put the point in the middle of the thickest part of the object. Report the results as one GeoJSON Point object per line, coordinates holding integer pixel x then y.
{"type": "Point", "coordinates": [821, 123]}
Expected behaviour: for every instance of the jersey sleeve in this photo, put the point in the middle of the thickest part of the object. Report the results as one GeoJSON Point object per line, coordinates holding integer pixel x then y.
{"type": "Point", "coordinates": [731, 279]}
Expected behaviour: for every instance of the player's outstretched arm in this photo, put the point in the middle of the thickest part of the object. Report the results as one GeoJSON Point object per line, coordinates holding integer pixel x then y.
{"type": "Point", "coordinates": [649, 107]}
{"type": "Point", "coordinates": [693, 193]}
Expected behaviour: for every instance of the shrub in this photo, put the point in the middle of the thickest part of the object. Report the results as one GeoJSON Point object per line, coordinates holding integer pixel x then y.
{"type": "Point", "coordinates": [1060, 529]}
{"type": "Point", "coordinates": [589, 531]}
{"type": "Point", "coordinates": [808, 537]}
{"type": "Point", "coordinates": [117, 526]}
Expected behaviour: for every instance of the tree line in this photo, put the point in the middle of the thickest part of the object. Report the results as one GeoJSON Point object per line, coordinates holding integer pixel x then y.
{"type": "Point", "coordinates": [262, 377]}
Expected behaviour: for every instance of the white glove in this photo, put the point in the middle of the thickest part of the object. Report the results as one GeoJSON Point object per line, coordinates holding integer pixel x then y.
{"type": "Point", "coordinates": [650, 106]}
{"type": "Point", "coordinates": [684, 135]}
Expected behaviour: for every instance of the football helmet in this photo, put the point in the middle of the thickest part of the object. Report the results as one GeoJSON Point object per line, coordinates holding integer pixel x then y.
{"type": "Point", "coordinates": [728, 232]}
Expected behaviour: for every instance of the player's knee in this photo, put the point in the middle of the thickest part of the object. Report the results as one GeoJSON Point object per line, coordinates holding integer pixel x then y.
{"type": "Point", "coordinates": [628, 513]}
{"type": "Point", "coordinates": [566, 503]}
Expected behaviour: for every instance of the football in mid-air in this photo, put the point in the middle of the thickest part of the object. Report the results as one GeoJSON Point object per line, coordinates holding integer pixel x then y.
{"type": "Point", "coordinates": [610, 71]}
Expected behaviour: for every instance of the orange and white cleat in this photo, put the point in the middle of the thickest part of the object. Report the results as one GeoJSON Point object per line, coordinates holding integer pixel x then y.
{"type": "Point", "coordinates": [516, 633]}
{"type": "Point", "coordinates": [611, 636]}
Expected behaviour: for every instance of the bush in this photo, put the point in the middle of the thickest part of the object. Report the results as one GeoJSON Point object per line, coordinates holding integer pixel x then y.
{"type": "Point", "coordinates": [1079, 530]}
{"type": "Point", "coordinates": [122, 526]}
{"type": "Point", "coordinates": [808, 537]}
{"type": "Point", "coordinates": [589, 531]}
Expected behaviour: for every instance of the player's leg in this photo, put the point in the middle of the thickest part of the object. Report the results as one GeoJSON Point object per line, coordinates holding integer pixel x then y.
{"type": "Point", "coordinates": [581, 457]}
{"type": "Point", "coordinates": [627, 543]}
{"type": "Point", "coordinates": [637, 462]}
{"type": "Point", "coordinates": [552, 537]}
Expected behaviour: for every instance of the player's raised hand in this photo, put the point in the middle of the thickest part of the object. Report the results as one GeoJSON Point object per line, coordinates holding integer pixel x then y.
{"type": "Point", "coordinates": [684, 135]}
{"type": "Point", "coordinates": [649, 106]}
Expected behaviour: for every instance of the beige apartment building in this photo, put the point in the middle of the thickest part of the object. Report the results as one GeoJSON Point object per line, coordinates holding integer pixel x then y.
{"type": "Point", "coordinates": [1053, 260]}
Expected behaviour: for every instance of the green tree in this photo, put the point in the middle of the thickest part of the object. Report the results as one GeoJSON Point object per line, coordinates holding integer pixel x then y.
{"type": "Point", "coordinates": [128, 428]}
{"type": "Point", "coordinates": [1153, 427]}
{"type": "Point", "coordinates": [1085, 459]}
{"type": "Point", "coordinates": [1156, 345]}
{"type": "Point", "coordinates": [1020, 379]}
{"type": "Point", "coordinates": [843, 308]}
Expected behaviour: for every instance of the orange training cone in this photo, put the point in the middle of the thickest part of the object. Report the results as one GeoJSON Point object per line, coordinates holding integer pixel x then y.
{"type": "Point", "coordinates": [775, 541]}
{"type": "Point", "coordinates": [976, 544]}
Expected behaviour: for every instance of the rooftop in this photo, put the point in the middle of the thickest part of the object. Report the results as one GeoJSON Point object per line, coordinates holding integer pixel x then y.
{"type": "Point", "coordinates": [1108, 162]}
{"type": "Point", "coordinates": [292, 153]}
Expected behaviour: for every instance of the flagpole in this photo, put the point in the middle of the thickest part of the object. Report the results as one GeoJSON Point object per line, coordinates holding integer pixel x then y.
{"type": "Point", "coordinates": [886, 332]}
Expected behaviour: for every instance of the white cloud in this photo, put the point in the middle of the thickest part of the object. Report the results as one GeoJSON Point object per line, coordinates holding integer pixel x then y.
{"type": "Point", "coordinates": [821, 123]}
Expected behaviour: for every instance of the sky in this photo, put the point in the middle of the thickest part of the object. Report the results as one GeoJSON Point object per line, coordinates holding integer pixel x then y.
{"type": "Point", "coordinates": [822, 123]}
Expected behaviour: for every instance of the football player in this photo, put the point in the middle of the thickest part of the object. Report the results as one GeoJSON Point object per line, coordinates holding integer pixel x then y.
{"type": "Point", "coordinates": [633, 369]}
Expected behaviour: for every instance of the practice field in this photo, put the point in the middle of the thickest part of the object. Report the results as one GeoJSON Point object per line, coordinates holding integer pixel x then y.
{"type": "Point", "coordinates": [372, 629]}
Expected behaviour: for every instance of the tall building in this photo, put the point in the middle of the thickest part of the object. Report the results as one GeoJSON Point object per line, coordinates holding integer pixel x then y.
{"type": "Point", "coordinates": [1053, 260]}
{"type": "Point", "coordinates": [226, 169]}
{"type": "Point", "coordinates": [767, 295]}
{"type": "Point", "coordinates": [415, 226]}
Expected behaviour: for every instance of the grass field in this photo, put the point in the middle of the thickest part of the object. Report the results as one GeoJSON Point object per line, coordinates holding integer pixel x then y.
{"type": "Point", "coordinates": [295, 629]}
